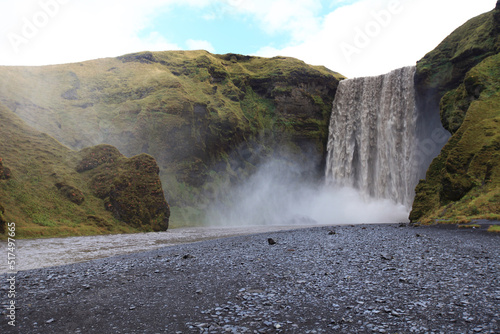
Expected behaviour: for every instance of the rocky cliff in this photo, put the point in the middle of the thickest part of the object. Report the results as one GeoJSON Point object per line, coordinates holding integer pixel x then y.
{"type": "Point", "coordinates": [48, 189]}
{"type": "Point", "coordinates": [207, 119]}
{"type": "Point", "coordinates": [462, 75]}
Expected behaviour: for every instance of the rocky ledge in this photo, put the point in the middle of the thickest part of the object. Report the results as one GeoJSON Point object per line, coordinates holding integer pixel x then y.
{"type": "Point", "coordinates": [349, 279]}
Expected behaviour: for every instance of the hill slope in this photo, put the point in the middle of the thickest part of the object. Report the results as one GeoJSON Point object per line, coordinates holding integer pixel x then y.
{"type": "Point", "coordinates": [463, 182]}
{"type": "Point", "coordinates": [46, 192]}
{"type": "Point", "coordinates": [208, 120]}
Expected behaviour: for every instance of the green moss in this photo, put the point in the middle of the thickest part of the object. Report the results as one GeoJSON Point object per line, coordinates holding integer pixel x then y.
{"type": "Point", "coordinates": [464, 180]}
{"type": "Point", "coordinates": [445, 67]}
{"type": "Point", "coordinates": [472, 226]}
{"type": "Point", "coordinates": [131, 188]}
{"type": "Point", "coordinates": [43, 220]}
{"type": "Point", "coordinates": [494, 229]}
{"type": "Point", "coordinates": [73, 194]}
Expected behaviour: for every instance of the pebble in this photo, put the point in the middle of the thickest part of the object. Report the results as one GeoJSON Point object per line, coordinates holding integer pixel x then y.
{"type": "Point", "coordinates": [384, 281]}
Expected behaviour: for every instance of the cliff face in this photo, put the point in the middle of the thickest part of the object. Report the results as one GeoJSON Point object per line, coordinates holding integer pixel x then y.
{"type": "Point", "coordinates": [463, 72]}
{"type": "Point", "coordinates": [445, 67]}
{"type": "Point", "coordinates": [46, 192]}
{"type": "Point", "coordinates": [207, 119]}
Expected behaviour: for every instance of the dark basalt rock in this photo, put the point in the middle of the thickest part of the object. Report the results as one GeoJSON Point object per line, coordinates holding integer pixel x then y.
{"type": "Point", "coordinates": [3, 223]}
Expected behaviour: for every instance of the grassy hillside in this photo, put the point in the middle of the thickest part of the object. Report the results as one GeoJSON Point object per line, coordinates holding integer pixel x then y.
{"type": "Point", "coordinates": [44, 194]}
{"type": "Point", "coordinates": [445, 67]}
{"type": "Point", "coordinates": [207, 119]}
{"type": "Point", "coordinates": [460, 80]}
{"type": "Point", "coordinates": [463, 182]}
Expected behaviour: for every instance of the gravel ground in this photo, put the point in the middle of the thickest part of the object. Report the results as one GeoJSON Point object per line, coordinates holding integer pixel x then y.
{"type": "Point", "coordinates": [339, 279]}
{"type": "Point", "coordinates": [50, 252]}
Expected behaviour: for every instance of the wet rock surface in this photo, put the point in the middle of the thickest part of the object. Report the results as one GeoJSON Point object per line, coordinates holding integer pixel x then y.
{"type": "Point", "coordinates": [360, 279]}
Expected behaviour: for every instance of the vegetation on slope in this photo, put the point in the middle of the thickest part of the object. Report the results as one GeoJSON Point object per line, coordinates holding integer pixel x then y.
{"type": "Point", "coordinates": [208, 120]}
{"type": "Point", "coordinates": [445, 67]}
{"type": "Point", "coordinates": [463, 182]}
{"type": "Point", "coordinates": [462, 75]}
{"type": "Point", "coordinates": [44, 194]}
{"type": "Point", "coordinates": [130, 188]}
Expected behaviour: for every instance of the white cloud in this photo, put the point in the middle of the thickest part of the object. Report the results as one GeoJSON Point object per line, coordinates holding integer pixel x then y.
{"type": "Point", "coordinates": [80, 30]}
{"type": "Point", "coordinates": [59, 31]}
{"type": "Point", "coordinates": [297, 17]}
{"type": "Point", "coordinates": [67, 30]}
{"type": "Point", "coordinates": [199, 45]}
{"type": "Point", "coordinates": [372, 37]}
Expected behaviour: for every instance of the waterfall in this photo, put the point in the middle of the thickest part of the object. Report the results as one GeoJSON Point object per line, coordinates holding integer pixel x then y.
{"type": "Point", "coordinates": [372, 144]}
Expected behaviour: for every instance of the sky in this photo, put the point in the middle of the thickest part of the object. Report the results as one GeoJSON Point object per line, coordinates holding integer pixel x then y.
{"type": "Point", "coordinates": [353, 37]}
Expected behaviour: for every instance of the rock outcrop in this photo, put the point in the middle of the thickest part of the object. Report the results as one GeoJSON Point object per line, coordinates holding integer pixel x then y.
{"type": "Point", "coordinates": [46, 196]}
{"type": "Point", "coordinates": [131, 188]}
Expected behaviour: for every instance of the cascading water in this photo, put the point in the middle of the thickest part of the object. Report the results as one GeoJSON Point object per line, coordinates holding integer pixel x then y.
{"type": "Point", "coordinates": [373, 141]}
{"type": "Point", "coordinates": [380, 145]}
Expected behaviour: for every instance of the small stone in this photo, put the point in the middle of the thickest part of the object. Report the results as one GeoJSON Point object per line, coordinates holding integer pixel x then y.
{"type": "Point", "coordinates": [50, 321]}
{"type": "Point", "coordinates": [395, 314]}
{"type": "Point", "coordinates": [386, 256]}
{"type": "Point", "coordinates": [132, 307]}
{"type": "Point", "coordinates": [271, 241]}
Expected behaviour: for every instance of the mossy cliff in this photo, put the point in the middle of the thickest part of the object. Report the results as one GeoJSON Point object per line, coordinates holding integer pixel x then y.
{"type": "Point", "coordinates": [463, 182]}
{"type": "Point", "coordinates": [445, 67]}
{"type": "Point", "coordinates": [207, 119]}
{"type": "Point", "coordinates": [47, 189]}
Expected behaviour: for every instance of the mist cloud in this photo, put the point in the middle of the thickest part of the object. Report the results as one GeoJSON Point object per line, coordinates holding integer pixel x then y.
{"type": "Point", "coordinates": [279, 194]}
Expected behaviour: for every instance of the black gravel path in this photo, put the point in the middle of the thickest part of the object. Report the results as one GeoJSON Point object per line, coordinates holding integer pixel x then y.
{"type": "Point", "coordinates": [349, 279]}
